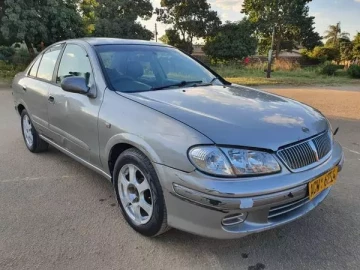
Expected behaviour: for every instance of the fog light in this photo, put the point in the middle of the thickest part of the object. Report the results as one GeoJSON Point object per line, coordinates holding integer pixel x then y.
{"type": "Point", "coordinates": [234, 219]}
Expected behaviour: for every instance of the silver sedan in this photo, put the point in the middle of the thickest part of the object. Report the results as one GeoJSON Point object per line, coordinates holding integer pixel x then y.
{"type": "Point", "coordinates": [183, 147]}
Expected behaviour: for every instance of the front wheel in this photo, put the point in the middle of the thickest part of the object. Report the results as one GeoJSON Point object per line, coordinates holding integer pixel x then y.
{"type": "Point", "coordinates": [32, 139]}
{"type": "Point", "coordinates": [139, 193]}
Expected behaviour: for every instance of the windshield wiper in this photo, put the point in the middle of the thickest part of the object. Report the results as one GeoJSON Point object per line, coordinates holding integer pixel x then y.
{"type": "Point", "coordinates": [183, 83]}
{"type": "Point", "coordinates": [209, 83]}
{"type": "Point", "coordinates": [213, 80]}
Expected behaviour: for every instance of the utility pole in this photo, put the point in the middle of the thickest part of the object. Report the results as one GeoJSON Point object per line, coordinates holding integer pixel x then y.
{"type": "Point", "coordinates": [156, 33]}
{"type": "Point", "coordinates": [268, 72]}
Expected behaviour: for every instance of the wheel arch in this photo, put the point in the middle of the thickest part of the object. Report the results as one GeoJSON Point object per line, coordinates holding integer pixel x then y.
{"type": "Point", "coordinates": [20, 107]}
{"type": "Point", "coordinates": [121, 142]}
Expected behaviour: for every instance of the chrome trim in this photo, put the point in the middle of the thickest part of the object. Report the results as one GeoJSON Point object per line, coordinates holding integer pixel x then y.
{"type": "Point", "coordinates": [286, 208]}
{"type": "Point", "coordinates": [307, 150]}
{"type": "Point", "coordinates": [234, 219]}
{"type": "Point", "coordinates": [244, 203]}
{"type": "Point", "coordinates": [313, 148]}
{"type": "Point", "coordinates": [341, 163]}
{"type": "Point", "coordinates": [84, 162]}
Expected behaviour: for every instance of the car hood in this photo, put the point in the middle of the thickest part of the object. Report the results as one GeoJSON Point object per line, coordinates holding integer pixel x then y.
{"type": "Point", "coordinates": [237, 115]}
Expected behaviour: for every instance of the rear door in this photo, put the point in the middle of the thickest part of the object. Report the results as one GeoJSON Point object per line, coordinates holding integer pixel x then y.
{"type": "Point", "coordinates": [35, 88]}
{"type": "Point", "coordinates": [73, 117]}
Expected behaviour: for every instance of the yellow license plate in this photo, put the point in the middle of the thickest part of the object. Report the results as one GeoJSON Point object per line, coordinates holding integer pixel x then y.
{"type": "Point", "coordinates": [323, 182]}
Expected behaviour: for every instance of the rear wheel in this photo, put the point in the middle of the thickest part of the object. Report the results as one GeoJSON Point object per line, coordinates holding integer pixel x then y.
{"type": "Point", "coordinates": [139, 193]}
{"type": "Point", "coordinates": [32, 139]}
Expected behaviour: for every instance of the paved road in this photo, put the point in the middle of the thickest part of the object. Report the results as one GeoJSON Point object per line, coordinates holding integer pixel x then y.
{"type": "Point", "coordinates": [57, 214]}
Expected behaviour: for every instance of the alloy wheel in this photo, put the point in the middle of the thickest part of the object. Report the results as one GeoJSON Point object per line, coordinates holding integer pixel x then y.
{"type": "Point", "coordinates": [28, 133]}
{"type": "Point", "coordinates": [135, 194]}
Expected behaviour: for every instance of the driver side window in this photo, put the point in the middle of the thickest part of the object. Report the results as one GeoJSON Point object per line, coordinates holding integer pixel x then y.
{"type": "Point", "coordinates": [75, 62]}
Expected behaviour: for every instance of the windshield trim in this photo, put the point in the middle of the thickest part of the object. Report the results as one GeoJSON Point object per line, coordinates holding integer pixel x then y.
{"type": "Point", "coordinates": [112, 88]}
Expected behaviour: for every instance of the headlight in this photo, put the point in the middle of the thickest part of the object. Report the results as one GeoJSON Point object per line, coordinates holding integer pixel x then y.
{"type": "Point", "coordinates": [235, 162]}
{"type": "Point", "coordinates": [211, 160]}
{"type": "Point", "coordinates": [250, 162]}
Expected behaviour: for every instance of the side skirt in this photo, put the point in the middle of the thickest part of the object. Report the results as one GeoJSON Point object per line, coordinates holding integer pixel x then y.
{"type": "Point", "coordinates": [78, 159]}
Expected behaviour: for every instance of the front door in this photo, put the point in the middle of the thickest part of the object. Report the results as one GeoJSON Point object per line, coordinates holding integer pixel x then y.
{"type": "Point", "coordinates": [73, 117]}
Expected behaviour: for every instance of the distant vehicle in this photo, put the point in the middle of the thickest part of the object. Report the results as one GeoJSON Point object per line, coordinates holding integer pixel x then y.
{"type": "Point", "coordinates": [183, 147]}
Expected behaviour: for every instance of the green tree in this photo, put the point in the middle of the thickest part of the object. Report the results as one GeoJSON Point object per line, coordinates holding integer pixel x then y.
{"type": "Point", "coordinates": [325, 53]}
{"type": "Point", "coordinates": [334, 35]}
{"type": "Point", "coordinates": [39, 21]}
{"type": "Point", "coordinates": [356, 47]}
{"type": "Point", "coordinates": [2, 5]}
{"type": "Point", "coordinates": [346, 50]}
{"type": "Point", "coordinates": [117, 18]}
{"type": "Point", "coordinates": [290, 19]}
{"type": "Point", "coordinates": [308, 37]}
{"type": "Point", "coordinates": [191, 18]}
{"type": "Point", "coordinates": [233, 41]}
{"type": "Point", "coordinates": [172, 38]}
{"type": "Point", "coordinates": [88, 9]}
{"type": "Point", "coordinates": [2, 10]}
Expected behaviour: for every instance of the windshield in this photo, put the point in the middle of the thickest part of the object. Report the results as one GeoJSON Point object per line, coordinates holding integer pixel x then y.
{"type": "Point", "coordinates": [136, 68]}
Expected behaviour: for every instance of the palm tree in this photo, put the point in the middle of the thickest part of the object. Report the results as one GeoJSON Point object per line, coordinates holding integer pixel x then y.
{"type": "Point", "coordinates": [334, 35]}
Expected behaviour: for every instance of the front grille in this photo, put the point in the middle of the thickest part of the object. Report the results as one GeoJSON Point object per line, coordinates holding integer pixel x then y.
{"type": "Point", "coordinates": [278, 211]}
{"type": "Point", "coordinates": [304, 154]}
{"type": "Point", "coordinates": [323, 145]}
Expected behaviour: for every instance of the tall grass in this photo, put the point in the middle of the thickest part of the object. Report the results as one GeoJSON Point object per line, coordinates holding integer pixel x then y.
{"type": "Point", "coordinates": [8, 71]}
{"type": "Point", "coordinates": [284, 72]}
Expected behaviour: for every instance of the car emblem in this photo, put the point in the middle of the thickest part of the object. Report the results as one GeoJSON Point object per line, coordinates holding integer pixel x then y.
{"type": "Point", "coordinates": [305, 129]}
{"type": "Point", "coordinates": [313, 148]}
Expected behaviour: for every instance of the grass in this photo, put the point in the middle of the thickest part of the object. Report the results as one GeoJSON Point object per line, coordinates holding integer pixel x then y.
{"type": "Point", "coordinates": [305, 77]}
{"type": "Point", "coordinates": [8, 71]}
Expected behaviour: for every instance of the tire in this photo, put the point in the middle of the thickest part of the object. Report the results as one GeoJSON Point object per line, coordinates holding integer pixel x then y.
{"type": "Point", "coordinates": [130, 196]}
{"type": "Point", "coordinates": [36, 145]}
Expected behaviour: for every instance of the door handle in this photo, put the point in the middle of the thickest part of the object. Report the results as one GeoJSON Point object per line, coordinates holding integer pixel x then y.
{"type": "Point", "coordinates": [51, 99]}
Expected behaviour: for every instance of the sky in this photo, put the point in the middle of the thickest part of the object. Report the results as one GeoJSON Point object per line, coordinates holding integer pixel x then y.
{"type": "Point", "coordinates": [326, 12]}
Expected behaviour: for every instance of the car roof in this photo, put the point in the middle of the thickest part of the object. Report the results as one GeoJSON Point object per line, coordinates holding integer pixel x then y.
{"type": "Point", "coordinates": [117, 41]}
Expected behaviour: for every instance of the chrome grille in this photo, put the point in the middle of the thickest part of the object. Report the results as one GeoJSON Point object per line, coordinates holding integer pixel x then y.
{"type": "Point", "coordinates": [308, 153]}
{"type": "Point", "coordinates": [323, 145]}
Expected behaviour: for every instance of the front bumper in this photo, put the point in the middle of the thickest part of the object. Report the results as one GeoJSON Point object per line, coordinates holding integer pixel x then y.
{"type": "Point", "coordinates": [203, 205]}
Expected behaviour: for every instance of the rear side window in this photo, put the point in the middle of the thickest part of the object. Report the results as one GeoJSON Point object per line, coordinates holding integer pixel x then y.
{"type": "Point", "coordinates": [75, 62]}
{"type": "Point", "coordinates": [34, 68]}
{"type": "Point", "coordinates": [48, 62]}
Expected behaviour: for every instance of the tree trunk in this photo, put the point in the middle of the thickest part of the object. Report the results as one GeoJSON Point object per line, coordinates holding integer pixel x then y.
{"type": "Point", "coordinates": [30, 47]}
{"type": "Point", "coordinates": [278, 47]}
{"type": "Point", "coordinates": [183, 34]}
{"type": "Point", "coordinates": [190, 45]}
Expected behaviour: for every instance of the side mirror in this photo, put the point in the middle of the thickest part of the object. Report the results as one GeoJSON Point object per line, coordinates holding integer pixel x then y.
{"type": "Point", "coordinates": [75, 85]}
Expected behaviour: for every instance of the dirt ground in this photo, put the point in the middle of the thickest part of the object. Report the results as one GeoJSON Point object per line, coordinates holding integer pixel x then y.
{"type": "Point", "coordinates": [337, 102]}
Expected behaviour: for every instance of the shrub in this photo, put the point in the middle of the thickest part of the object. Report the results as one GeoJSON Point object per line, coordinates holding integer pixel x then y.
{"type": "Point", "coordinates": [286, 65]}
{"type": "Point", "coordinates": [325, 53]}
{"type": "Point", "coordinates": [354, 71]}
{"type": "Point", "coordinates": [340, 66]}
{"type": "Point", "coordinates": [329, 70]}
{"type": "Point", "coordinates": [8, 70]}
{"type": "Point", "coordinates": [306, 61]}
{"type": "Point", "coordinates": [203, 58]}
{"type": "Point", "coordinates": [257, 66]}
{"type": "Point", "coordinates": [6, 53]}
{"type": "Point", "coordinates": [21, 57]}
